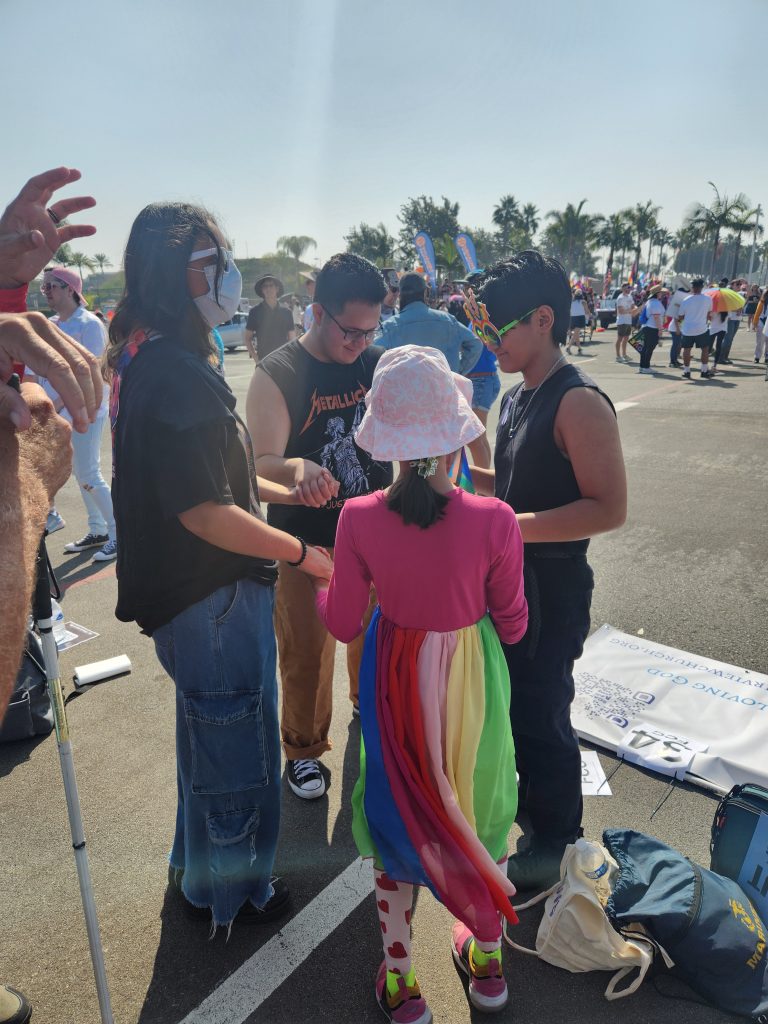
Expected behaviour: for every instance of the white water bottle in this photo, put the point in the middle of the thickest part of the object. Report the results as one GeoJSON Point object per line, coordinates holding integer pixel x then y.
{"type": "Point", "coordinates": [57, 617]}
{"type": "Point", "coordinates": [591, 859]}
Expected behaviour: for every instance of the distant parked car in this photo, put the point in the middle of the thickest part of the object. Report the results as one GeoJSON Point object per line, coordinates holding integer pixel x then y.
{"type": "Point", "coordinates": [606, 308]}
{"type": "Point", "coordinates": [233, 332]}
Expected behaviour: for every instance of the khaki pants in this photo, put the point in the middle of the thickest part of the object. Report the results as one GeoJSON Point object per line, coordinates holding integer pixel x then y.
{"type": "Point", "coordinates": [306, 651]}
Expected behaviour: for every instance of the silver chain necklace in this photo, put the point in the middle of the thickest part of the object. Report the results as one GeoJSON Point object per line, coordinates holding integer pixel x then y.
{"type": "Point", "coordinates": [514, 427]}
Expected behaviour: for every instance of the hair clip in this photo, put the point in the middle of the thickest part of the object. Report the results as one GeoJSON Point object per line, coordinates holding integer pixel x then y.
{"type": "Point", "coordinates": [425, 467]}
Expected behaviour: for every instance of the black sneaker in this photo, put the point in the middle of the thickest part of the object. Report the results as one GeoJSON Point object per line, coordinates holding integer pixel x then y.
{"type": "Point", "coordinates": [537, 867]}
{"type": "Point", "coordinates": [24, 1010]}
{"type": "Point", "coordinates": [90, 540]}
{"type": "Point", "coordinates": [687, 373]}
{"type": "Point", "coordinates": [305, 778]}
{"type": "Point", "coordinates": [277, 906]}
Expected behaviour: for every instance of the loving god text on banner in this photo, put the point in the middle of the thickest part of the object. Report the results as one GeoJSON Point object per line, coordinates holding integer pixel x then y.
{"type": "Point", "coordinates": [677, 713]}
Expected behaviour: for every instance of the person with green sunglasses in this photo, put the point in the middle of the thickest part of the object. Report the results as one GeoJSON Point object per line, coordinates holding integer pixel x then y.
{"type": "Point", "coordinates": [558, 464]}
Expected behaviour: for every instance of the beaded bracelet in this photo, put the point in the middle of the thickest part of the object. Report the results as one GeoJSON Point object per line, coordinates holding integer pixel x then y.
{"type": "Point", "coordinates": [303, 553]}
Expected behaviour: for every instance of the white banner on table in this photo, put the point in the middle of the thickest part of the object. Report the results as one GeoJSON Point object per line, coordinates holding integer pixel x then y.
{"type": "Point", "coordinates": [716, 715]}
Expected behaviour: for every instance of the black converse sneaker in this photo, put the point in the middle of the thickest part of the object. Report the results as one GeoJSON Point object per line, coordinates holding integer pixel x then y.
{"type": "Point", "coordinates": [305, 778]}
{"type": "Point", "coordinates": [90, 540]}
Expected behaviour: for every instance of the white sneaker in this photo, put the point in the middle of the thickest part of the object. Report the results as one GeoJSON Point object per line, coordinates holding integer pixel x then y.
{"type": "Point", "coordinates": [54, 522]}
{"type": "Point", "coordinates": [106, 554]}
{"type": "Point", "coordinates": [305, 778]}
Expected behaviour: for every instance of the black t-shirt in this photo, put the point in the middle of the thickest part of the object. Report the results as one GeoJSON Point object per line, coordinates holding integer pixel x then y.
{"type": "Point", "coordinates": [326, 402]}
{"type": "Point", "coordinates": [532, 474]}
{"type": "Point", "coordinates": [271, 327]}
{"type": "Point", "coordinates": [178, 443]}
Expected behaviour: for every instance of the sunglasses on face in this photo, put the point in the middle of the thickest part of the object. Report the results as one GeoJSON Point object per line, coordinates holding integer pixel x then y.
{"type": "Point", "coordinates": [49, 285]}
{"type": "Point", "coordinates": [200, 254]}
{"type": "Point", "coordinates": [481, 323]}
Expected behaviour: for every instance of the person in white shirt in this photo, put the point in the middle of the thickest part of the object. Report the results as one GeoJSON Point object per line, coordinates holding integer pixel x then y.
{"type": "Point", "coordinates": [673, 312]}
{"type": "Point", "coordinates": [694, 316]}
{"type": "Point", "coordinates": [309, 283]}
{"type": "Point", "coordinates": [63, 288]}
{"type": "Point", "coordinates": [625, 310]}
{"type": "Point", "coordinates": [655, 312]}
{"type": "Point", "coordinates": [579, 314]}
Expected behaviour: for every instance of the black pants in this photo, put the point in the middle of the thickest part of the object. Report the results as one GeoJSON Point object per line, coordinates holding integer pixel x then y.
{"type": "Point", "coordinates": [650, 341]}
{"type": "Point", "coordinates": [559, 594]}
{"type": "Point", "coordinates": [719, 342]}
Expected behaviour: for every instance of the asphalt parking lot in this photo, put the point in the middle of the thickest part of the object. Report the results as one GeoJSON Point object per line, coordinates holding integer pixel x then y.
{"type": "Point", "coordinates": [688, 569]}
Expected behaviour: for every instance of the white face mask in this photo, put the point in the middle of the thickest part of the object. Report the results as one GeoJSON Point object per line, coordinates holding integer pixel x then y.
{"type": "Point", "coordinates": [230, 289]}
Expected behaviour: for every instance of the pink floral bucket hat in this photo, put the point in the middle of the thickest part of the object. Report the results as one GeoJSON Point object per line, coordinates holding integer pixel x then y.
{"type": "Point", "coordinates": [416, 408]}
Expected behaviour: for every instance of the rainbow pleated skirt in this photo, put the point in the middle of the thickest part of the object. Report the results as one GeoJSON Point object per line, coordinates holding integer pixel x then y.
{"type": "Point", "coordinates": [437, 793]}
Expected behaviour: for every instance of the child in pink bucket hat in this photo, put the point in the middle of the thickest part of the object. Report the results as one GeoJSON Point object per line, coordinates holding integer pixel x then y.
{"type": "Point", "coordinates": [437, 791]}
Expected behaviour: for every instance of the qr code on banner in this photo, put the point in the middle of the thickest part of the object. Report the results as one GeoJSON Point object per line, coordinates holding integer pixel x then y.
{"type": "Point", "coordinates": [607, 699]}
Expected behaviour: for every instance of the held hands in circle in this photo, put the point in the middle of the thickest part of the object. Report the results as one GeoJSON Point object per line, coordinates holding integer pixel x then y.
{"type": "Point", "coordinates": [318, 564]}
{"type": "Point", "coordinates": [314, 484]}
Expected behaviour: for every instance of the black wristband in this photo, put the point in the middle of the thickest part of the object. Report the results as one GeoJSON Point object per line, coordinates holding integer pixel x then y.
{"type": "Point", "coordinates": [303, 553]}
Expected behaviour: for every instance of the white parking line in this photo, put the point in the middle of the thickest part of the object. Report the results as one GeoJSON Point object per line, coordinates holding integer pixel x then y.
{"type": "Point", "coordinates": [254, 981]}
{"type": "Point", "coordinates": [620, 406]}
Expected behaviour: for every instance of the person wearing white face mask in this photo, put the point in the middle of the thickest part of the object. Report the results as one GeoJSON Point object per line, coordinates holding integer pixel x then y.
{"type": "Point", "coordinates": [196, 561]}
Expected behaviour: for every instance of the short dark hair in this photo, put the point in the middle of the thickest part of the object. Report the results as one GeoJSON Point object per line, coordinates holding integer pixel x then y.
{"type": "Point", "coordinates": [156, 294]}
{"type": "Point", "coordinates": [698, 282]}
{"type": "Point", "coordinates": [512, 286]}
{"type": "Point", "coordinates": [415, 500]}
{"type": "Point", "coordinates": [349, 278]}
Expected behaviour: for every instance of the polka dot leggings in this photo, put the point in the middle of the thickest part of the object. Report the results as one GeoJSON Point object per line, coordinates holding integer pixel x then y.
{"type": "Point", "coordinates": [394, 902]}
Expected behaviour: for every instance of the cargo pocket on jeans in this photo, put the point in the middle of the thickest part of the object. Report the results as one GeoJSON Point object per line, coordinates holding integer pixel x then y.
{"type": "Point", "coordinates": [226, 736]}
{"type": "Point", "coordinates": [232, 836]}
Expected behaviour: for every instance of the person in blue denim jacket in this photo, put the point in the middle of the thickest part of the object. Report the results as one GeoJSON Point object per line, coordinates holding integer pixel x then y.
{"type": "Point", "coordinates": [417, 324]}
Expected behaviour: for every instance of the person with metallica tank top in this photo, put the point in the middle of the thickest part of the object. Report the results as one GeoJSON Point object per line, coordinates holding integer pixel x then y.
{"type": "Point", "coordinates": [558, 463]}
{"type": "Point", "coordinates": [304, 404]}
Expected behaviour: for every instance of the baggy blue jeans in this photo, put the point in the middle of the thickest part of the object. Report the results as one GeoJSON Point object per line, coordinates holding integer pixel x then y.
{"type": "Point", "coordinates": [221, 655]}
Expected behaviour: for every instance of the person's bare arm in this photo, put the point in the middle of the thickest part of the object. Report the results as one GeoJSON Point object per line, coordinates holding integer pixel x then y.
{"type": "Point", "coordinates": [587, 432]}
{"type": "Point", "coordinates": [249, 336]}
{"type": "Point", "coordinates": [484, 480]}
{"type": "Point", "coordinates": [34, 464]}
{"type": "Point", "coordinates": [277, 494]}
{"type": "Point", "coordinates": [269, 425]}
{"type": "Point", "coordinates": [233, 529]}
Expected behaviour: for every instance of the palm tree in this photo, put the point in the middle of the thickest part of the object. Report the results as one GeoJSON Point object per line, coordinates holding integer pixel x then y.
{"type": "Point", "coordinates": [663, 239]}
{"type": "Point", "coordinates": [643, 221]}
{"type": "Point", "coordinates": [80, 260]}
{"type": "Point", "coordinates": [746, 221]}
{"type": "Point", "coordinates": [614, 233]}
{"type": "Point", "coordinates": [506, 216]}
{"type": "Point", "coordinates": [711, 220]}
{"type": "Point", "coordinates": [446, 255]}
{"type": "Point", "coordinates": [529, 221]}
{"type": "Point", "coordinates": [296, 245]}
{"type": "Point", "coordinates": [63, 255]}
{"type": "Point", "coordinates": [101, 260]}
{"type": "Point", "coordinates": [570, 234]}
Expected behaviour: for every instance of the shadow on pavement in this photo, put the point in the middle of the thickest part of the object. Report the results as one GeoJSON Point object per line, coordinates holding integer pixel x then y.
{"type": "Point", "coordinates": [14, 754]}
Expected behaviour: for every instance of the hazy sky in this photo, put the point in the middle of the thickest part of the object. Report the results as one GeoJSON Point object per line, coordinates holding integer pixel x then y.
{"type": "Point", "coordinates": [309, 116]}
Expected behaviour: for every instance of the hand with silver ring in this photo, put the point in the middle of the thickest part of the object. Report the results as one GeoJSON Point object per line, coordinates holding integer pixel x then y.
{"type": "Point", "coordinates": [30, 229]}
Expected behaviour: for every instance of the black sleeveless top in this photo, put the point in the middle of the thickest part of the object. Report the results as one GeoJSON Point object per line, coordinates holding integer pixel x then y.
{"type": "Point", "coordinates": [532, 474]}
{"type": "Point", "coordinates": [326, 402]}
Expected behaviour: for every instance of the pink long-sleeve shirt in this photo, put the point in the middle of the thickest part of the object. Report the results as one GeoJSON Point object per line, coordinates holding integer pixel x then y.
{"type": "Point", "coordinates": [445, 577]}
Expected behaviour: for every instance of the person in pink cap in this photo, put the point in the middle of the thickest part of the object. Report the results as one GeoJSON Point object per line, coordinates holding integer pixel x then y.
{"type": "Point", "coordinates": [436, 796]}
{"type": "Point", "coordinates": [63, 290]}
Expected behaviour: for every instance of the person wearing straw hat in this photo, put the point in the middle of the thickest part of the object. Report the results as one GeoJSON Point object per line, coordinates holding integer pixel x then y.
{"type": "Point", "coordinates": [437, 794]}
{"type": "Point", "coordinates": [269, 323]}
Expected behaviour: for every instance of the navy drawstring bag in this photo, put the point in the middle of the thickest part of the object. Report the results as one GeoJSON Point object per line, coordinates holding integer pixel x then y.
{"type": "Point", "coordinates": [703, 921]}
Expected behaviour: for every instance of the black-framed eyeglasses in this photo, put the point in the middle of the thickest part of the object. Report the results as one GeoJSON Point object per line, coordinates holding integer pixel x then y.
{"type": "Point", "coordinates": [354, 333]}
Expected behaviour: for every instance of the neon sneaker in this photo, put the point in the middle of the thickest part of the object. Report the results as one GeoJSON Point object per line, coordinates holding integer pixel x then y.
{"type": "Point", "coordinates": [487, 988]}
{"type": "Point", "coordinates": [400, 998]}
